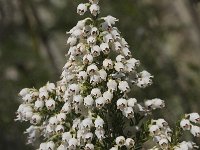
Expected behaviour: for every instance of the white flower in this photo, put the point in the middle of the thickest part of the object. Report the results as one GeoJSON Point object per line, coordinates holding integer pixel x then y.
{"type": "Point", "coordinates": [114, 148]}
{"type": "Point", "coordinates": [61, 117]}
{"type": "Point", "coordinates": [88, 137]}
{"type": "Point", "coordinates": [73, 143]}
{"type": "Point", "coordinates": [112, 85]}
{"type": "Point", "coordinates": [99, 122]}
{"type": "Point", "coordinates": [39, 104]}
{"type": "Point", "coordinates": [62, 147]}
{"type": "Point", "coordinates": [120, 58]}
{"type": "Point", "coordinates": [124, 43]}
{"type": "Point", "coordinates": [145, 74]}
{"type": "Point", "coordinates": [89, 147]}
{"type": "Point", "coordinates": [185, 124]}
{"type": "Point", "coordinates": [87, 123]}
{"type": "Point", "coordinates": [100, 134]}
{"type": "Point", "coordinates": [154, 103]}
{"type": "Point", "coordinates": [91, 69]}
{"type": "Point", "coordinates": [24, 91]}
{"type": "Point", "coordinates": [50, 145]}
{"type": "Point", "coordinates": [105, 48]}
{"type": "Point", "coordinates": [53, 121]}
{"type": "Point", "coordinates": [195, 130]}
{"type": "Point", "coordinates": [100, 102]}
{"type": "Point", "coordinates": [128, 112]}
{"type": "Point", "coordinates": [60, 128]}
{"type": "Point", "coordinates": [74, 88]}
{"type": "Point", "coordinates": [96, 92]}
{"type": "Point", "coordinates": [123, 86]}
{"type": "Point", "coordinates": [110, 20]}
{"type": "Point", "coordinates": [28, 98]}
{"type": "Point", "coordinates": [129, 143]}
{"type": "Point", "coordinates": [144, 82]}
{"type": "Point", "coordinates": [94, 79]}
{"type": "Point", "coordinates": [161, 123]}
{"type": "Point", "coordinates": [87, 59]}
{"type": "Point", "coordinates": [121, 103]}
{"type": "Point", "coordinates": [94, 9]}
{"type": "Point", "coordinates": [119, 67]}
{"type": "Point", "coordinates": [94, 1]}
{"type": "Point", "coordinates": [77, 33]}
{"type": "Point", "coordinates": [36, 119]}
{"type": "Point", "coordinates": [126, 52]}
{"type": "Point", "coordinates": [194, 117]}
{"type": "Point", "coordinates": [120, 141]}
{"type": "Point", "coordinates": [108, 96]}
{"type": "Point", "coordinates": [88, 101]}
{"type": "Point", "coordinates": [108, 64]}
{"type": "Point", "coordinates": [154, 130]}
{"type": "Point", "coordinates": [94, 31]}
{"type": "Point", "coordinates": [164, 143]}
{"type": "Point", "coordinates": [131, 102]}
{"type": "Point", "coordinates": [78, 99]}
{"type": "Point", "coordinates": [81, 9]}
{"type": "Point", "coordinates": [43, 146]}
{"type": "Point", "coordinates": [66, 136]}
{"type": "Point", "coordinates": [50, 104]}
{"type": "Point", "coordinates": [66, 108]}
{"type": "Point", "coordinates": [108, 38]}
{"type": "Point", "coordinates": [115, 34]}
{"type": "Point", "coordinates": [86, 30]}
{"type": "Point", "coordinates": [95, 50]}
{"type": "Point", "coordinates": [117, 47]}
{"type": "Point", "coordinates": [91, 40]}
{"type": "Point", "coordinates": [82, 75]}
{"type": "Point", "coordinates": [102, 74]}
{"type": "Point", "coordinates": [72, 41]}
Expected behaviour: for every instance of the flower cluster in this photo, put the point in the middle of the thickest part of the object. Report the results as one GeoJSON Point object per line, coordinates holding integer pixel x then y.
{"type": "Point", "coordinates": [162, 134]}
{"type": "Point", "coordinates": [89, 108]}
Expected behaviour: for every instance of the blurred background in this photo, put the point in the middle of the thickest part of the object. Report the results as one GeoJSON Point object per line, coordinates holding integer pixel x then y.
{"type": "Point", "coordinates": [164, 35]}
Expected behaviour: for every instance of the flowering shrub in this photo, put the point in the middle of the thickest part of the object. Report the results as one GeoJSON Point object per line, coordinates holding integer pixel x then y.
{"type": "Point", "coordinates": [89, 108]}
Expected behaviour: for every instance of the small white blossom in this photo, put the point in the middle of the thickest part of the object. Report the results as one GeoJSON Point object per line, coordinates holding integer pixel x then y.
{"type": "Point", "coordinates": [82, 75]}
{"type": "Point", "coordinates": [120, 141]}
{"type": "Point", "coordinates": [87, 59]}
{"type": "Point", "coordinates": [131, 102]}
{"type": "Point", "coordinates": [95, 50]}
{"type": "Point", "coordinates": [121, 103]}
{"type": "Point", "coordinates": [72, 41]}
{"type": "Point", "coordinates": [108, 95]}
{"type": "Point", "coordinates": [89, 147]}
{"type": "Point", "coordinates": [195, 130]}
{"type": "Point", "coordinates": [99, 122]}
{"type": "Point", "coordinates": [119, 67]}
{"type": "Point", "coordinates": [94, 9]}
{"type": "Point", "coordinates": [108, 64]}
{"type": "Point", "coordinates": [66, 136]}
{"type": "Point", "coordinates": [91, 69]}
{"type": "Point", "coordinates": [50, 104]}
{"type": "Point", "coordinates": [129, 143]}
{"type": "Point", "coordinates": [100, 102]}
{"type": "Point", "coordinates": [96, 92]}
{"type": "Point", "coordinates": [112, 85]}
{"type": "Point", "coordinates": [105, 48]}
{"type": "Point", "coordinates": [50, 145]}
{"type": "Point", "coordinates": [81, 9]}
{"type": "Point", "coordinates": [102, 74]}
{"type": "Point", "coordinates": [123, 86]}
{"type": "Point", "coordinates": [88, 101]}
{"type": "Point", "coordinates": [194, 117]}
{"type": "Point", "coordinates": [73, 143]}
{"type": "Point", "coordinates": [91, 40]}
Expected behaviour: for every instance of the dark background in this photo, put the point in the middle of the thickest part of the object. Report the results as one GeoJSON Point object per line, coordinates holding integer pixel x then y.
{"type": "Point", "coordinates": [164, 35]}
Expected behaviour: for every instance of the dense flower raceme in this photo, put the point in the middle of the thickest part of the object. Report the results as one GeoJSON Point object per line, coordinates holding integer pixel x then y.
{"type": "Point", "coordinates": [89, 107]}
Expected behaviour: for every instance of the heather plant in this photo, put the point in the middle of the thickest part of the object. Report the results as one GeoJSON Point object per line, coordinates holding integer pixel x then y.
{"type": "Point", "coordinates": [89, 107]}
